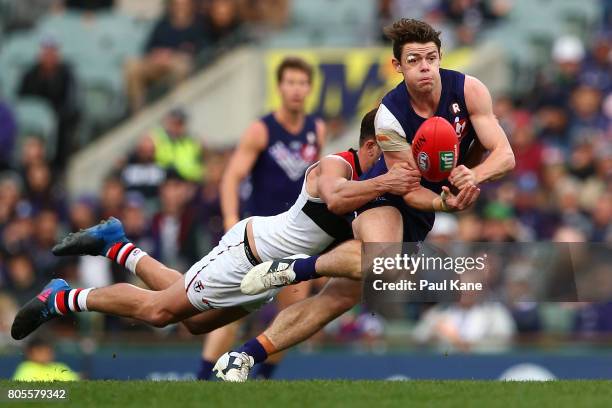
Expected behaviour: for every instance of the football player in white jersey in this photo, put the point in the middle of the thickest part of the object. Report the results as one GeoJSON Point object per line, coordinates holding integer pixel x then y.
{"type": "Point", "coordinates": [208, 295]}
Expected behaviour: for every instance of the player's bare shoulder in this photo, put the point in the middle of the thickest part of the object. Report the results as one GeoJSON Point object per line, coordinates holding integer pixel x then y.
{"type": "Point", "coordinates": [477, 96]}
{"type": "Point", "coordinates": [256, 135]}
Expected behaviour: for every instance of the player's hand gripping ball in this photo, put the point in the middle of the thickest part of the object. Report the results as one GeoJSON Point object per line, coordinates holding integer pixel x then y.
{"type": "Point", "coordinates": [434, 149]}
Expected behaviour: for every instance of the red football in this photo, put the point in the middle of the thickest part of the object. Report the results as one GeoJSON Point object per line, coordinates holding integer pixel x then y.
{"type": "Point", "coordinates": [434, 148]}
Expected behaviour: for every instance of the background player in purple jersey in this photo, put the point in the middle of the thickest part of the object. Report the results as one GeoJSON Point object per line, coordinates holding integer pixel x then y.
{"type": "Point", "coordinates": [274, 153]}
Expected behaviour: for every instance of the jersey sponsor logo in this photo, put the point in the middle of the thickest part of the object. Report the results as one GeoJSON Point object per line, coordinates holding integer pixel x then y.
{"type": "Point", "coordinates": [293, 163]}
{"type": "Point", "coordinates": [447, 160]}
{"type": "Point", "coordinates": [423, 161]}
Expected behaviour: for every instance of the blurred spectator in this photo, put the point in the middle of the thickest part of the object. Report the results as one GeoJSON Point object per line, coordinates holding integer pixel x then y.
{"type": "Point", "coordinates": [33, 152]}
{"type": "Point", "coordinates": [527, 150]}
{"type": "Point", "coordinates": [39, 364]}
{"type": "Point", "coordinates": [272, 13]}
{"type": "Point", "coordinates": [602, 219]}
{"type": "Point", "coordinates": [598, 182]}
{"type": "Point", "coordinates": [41, 191]}
{"type": "Point", "coordinates": [46, 231]}
{"type": "Point", "coordinates": [587, 120]}
{"type": "Point", "coordinates": [83, 213]}
{"type": "Point", "coordinates": [111, 198]}
{"type": "Point", "coordinates": [221, 22]}
{"type": "Point", "coordinates": [141, 173]}
{"type": "Point", "coordinates": [8, 135]}
{"type": "Point", "coordinates": [597, 67]}
{"type": "Point", "coordinates": [582, 159]}
{"type": "Point", "coordinates": [175, 149]}
{"type": "Point", "coordinates": [499, 224]}
{"type": "Point", "coordinates": [174, 227]}
{"type": "Point", "coordinates": [10, 197]}
{"type": "Point", "coordinates": [557, 80]}
{"type": "Point", "coordinates": [472, 324]}
{"type": "Point", "coordinates": [137, 228]}
{"type": "Point", "coordinates": [51, 78]}
{"type": "Point", "coordinates": [520, 297]}
{"type": "Point", "coordinates": [169, 53]}
{"type": "Point", "coordinates": [553, 122]}
{"type": "Point", "coordinates": [22, 281]}
{"type": "Point", "coordinates": [568, 199]}
{"type": "Point", "coordinates": [149, 10]}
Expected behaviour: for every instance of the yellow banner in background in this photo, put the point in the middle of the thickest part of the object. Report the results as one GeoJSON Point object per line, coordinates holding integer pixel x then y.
{"type": "Point", "coordinates": [347, 81]}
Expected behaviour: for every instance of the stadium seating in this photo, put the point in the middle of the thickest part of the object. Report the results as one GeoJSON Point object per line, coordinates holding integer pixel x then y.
{"type": "Point", "coordinates": [96, 49]}
{"type": "Point", "coordinates": [16, 55]}
{"type": "Point", "coordinates": [342, 24]}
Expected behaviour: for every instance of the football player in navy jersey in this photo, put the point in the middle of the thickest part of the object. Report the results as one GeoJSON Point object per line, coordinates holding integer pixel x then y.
{"type": "Point", "coordinates": [426, 90]}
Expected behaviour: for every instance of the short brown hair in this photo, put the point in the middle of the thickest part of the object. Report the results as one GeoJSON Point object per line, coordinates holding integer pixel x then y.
{"type": "Point", "coordinates": [293, 63]}
{"type": "Point", "coordinates": [367, 131]}
{"type": "Point", "coordinates": [408, 30]}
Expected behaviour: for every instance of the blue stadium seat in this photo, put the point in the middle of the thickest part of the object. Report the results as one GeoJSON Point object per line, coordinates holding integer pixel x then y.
{"type": "Point", "coordinates": [17, 54]}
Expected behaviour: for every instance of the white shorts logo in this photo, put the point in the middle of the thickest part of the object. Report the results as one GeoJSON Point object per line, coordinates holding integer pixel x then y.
{"type": "Point", "coordinates": [198, 286]}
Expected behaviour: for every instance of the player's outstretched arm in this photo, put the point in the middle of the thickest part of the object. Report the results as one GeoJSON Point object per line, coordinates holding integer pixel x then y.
{"type": "Point", "coordinates": [252, 143]}
{"type": "Point", "coordinates": [343, 195]}
{"type": "Point", "coordinates": [490, 134]}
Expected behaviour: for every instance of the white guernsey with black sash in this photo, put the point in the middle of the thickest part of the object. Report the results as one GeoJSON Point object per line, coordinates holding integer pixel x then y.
{"type": "Point", "coordinates": [308, 227]}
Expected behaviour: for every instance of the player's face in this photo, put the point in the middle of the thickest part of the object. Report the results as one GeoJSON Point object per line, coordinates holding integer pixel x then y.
{"type": "Point", "coordinates": [420, 66]}
{"type": "Point", "coordinates": [294, 89]}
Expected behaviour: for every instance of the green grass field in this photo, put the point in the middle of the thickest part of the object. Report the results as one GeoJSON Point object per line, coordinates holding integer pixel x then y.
{"type": "Point", "coordinates": [286, 394]}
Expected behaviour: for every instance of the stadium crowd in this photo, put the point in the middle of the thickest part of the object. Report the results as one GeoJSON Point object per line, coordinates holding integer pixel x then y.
{"type": "Point", "coordinates": [560, 130]}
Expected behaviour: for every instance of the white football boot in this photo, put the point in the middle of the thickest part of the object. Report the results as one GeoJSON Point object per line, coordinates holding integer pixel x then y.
{"type": "Point", "coordinates": [234, 366]}
{"type": "Point", "coordinates": [269, 275]}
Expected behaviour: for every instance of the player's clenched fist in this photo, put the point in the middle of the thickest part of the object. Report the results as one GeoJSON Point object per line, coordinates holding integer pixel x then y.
{"type": "Point", "coordinates": [402, 179]}
{"type": "Point", "coordinates": [461, 176]}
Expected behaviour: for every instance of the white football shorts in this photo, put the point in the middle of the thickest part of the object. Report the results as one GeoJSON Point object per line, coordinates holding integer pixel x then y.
{"type": "Point", "coordinates": [214, 281]}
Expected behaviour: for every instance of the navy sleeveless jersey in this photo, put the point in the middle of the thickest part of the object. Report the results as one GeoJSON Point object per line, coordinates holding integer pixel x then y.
{"type": "Point", "coordinates": [277, 176]}
{"type": "Point", "coordinates": [452, 108]}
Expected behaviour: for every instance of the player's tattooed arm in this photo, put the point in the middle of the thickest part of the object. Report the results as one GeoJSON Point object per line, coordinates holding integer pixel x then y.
{"type": "Point", "coordinates": [490, 134]}
{"type": "Point", "coordinates": [252, 143]}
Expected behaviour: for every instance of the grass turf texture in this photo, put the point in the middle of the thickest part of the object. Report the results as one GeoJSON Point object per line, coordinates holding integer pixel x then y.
{"type": "Point", "coordinates": [288, 394]}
